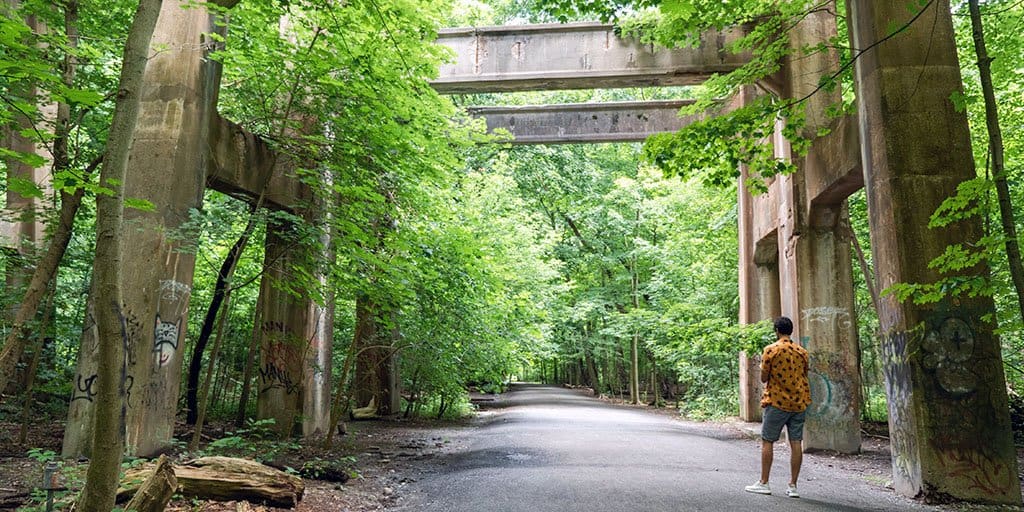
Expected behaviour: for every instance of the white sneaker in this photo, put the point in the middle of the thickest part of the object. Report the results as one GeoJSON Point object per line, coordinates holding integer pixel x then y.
{"type": "Point", "coordinates": [758, 488]}
{"type": "Point", "coordinates": [791, 492]}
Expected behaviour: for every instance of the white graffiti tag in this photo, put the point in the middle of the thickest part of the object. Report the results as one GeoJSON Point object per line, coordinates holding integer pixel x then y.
{"type": "Point", "coordinates": [174, 291]}
{"type": "Point", "coordinates": [827, 317]}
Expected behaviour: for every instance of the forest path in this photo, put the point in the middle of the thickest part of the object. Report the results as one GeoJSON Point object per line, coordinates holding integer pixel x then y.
{"type": "Point", "coordinates": [544, 448]}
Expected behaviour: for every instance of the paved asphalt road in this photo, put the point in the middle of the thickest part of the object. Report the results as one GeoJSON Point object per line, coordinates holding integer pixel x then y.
{"type": "Point", "coordinates": [545, 448]}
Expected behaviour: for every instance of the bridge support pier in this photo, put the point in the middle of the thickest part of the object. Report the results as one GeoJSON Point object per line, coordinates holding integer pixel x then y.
{"type": "Point", "coordinates": [948, 416]}
{"type": "Point", "coordinates": [759, 286]}
{"type": "Point", "coordinates": [179, 139]}
{"type": "Point", "coordinates": [295, 343]}
{"type": "Point", "coordinates": [167, 163]}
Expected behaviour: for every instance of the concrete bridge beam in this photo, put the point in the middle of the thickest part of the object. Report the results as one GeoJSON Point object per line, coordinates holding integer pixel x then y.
{"type": "Point", "coordinates": [573, 56]}
{"type": "Point", "coordinates": [627, 121]}
{"type": "Point", "coordinates": [948, 415]}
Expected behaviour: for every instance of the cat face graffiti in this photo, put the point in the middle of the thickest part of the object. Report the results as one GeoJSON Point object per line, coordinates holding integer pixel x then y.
{"type": "Point", "coordinates": [165, 340]}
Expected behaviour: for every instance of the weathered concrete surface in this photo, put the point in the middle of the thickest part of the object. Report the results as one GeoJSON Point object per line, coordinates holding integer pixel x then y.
{"type": "Point", "coordinates": [627, 121]}
{"type": "Point", "coordinates": [295, 343]}
{"type": "Point", "coordinates": [832, 166]}
{"type": "Point", "coordinates": [239, 163]}
{"type": "Point", "coordinates": [572, 56]}
{"type": "Point", "coordinates": [376, 372]}
{"type": "Point", "coordinates": [166, 167]}
{"type": "Point", "coordinates": [751, 387]}
{"type": "Point", "coordinates": [948, 413]}
{"type": "Point", "coordinates": [795, 252]}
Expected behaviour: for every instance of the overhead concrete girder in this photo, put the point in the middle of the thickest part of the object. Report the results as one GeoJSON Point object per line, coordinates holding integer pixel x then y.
{"type": "Point", "coordinates": [627, 121]}
{"type": "Point", "coordinates": [574, 56]}
{"type": "Point", "coordinates": [239, 165]}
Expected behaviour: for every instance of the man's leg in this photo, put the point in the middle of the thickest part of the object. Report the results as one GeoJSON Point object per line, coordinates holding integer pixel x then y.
{"type": "Point", "coordinates": [795, 461]}
{"type": "Point", "coordinates": [795, 432]}
{"type": "Point", "coordinates": [767, 457]}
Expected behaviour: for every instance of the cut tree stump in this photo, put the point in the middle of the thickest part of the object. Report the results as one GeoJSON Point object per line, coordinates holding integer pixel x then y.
{"type": "Point", "coordinates": [226, 479]}
{"type": "Point", "coordinates": [157, 490]}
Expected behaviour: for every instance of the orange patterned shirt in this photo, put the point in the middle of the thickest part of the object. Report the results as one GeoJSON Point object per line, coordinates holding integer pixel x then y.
{"type": "Point", "coordinates": [786, 365]}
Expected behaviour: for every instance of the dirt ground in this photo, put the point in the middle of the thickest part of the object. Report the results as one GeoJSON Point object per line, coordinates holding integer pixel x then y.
{"type": "Point", "coordinates": [381, 456]}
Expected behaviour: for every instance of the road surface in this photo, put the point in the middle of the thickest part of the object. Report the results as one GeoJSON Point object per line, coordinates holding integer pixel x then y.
{"type": "Point", "coordinates": [542, 448]}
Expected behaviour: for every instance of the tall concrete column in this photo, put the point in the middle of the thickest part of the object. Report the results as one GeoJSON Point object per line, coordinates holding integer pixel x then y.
{"type": "Point", "coordinates": [814, 251]}
{"type": "Point", "coordinates": [759, 286]}
{"type": "Point", "coordinates": [21, 221]}
{"type": "Point", "coordinates": [376, 366]}
{"type": "Point", "coordinates": [166, 167]}
{"type": "Point", "coordinates": [758, 274]}
{"type": "Point", "coordinates": [295, 343]}
{"type": "Point", "coordinates": [948, 414]}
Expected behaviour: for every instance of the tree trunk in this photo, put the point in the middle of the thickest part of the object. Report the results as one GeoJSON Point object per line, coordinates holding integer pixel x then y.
{"type": "Point", "coordinates": [374, 358]}
{"type": "Point", "coordinates": [157, 490]}
{"type": "Point", "coordinates": [224, 275]}
{"type": "Point", "coordinates": [33, 367]}
{"type": "Point", "coordinates": [229, 479]}
{"type": "Point", "coordinates": [204, 395]}
{"type": "Point", "coordinates": [995, 143]}
{"type": "Point", "coordinates": [634, 348]}
{"type": "Point", "coordinates": [108, 429]}
{"type": "Point", "coordinates": [342, 395]}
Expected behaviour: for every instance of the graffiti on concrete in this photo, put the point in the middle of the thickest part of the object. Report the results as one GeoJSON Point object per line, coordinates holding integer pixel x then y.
{"type": "Point", "coordinates": [173, 291]}
{"type": "Point", "coordinates": [833, 400]}
{"type": "Point", "coordinates": [280, 359]}
{"type": "Point", "coordinates": [826, 318]}
{"type": "Point", "coordinates": [83, 389]}
{"type": "Point", "coordinates": [165, 340]}
{"type": "Point", "coordinates": [947, 352]}
{"type": "Point", "coordinates": [903, 439]}
{"type": "Point", "coordinates": [129, 383]}
{"type": "Point", "coordinates": [274, 377]}
{"type": "Point", "coordinates": [154, 393]}
{"type": "Point", "coordinates": [132, 330]}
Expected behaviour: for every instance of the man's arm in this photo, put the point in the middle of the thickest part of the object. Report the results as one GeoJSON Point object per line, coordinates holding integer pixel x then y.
{"type": "Point", "coordinates": [766, 365]}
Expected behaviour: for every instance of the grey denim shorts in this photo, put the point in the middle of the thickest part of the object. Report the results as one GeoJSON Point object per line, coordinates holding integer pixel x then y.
{"type": "Point", "coordinates": [775, 419]}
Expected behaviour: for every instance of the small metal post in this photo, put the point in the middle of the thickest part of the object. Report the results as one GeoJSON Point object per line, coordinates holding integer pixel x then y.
{"type": "Point", "coordinates": [50, 482]}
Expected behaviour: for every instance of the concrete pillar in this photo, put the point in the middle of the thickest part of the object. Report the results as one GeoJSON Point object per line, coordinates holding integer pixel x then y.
{"type": "Point", "coordinates": [376, 366]}
{"type": "Point", "coordinates": [948, 414]}
{"type": "Point", "coordinates": [166, 167]}
{"type": "Point", "coordinates": [759, 293]}
{"type": "Point", "coordinates": [21, 222]}
{"type": "Point", "coordinates": [815, 263]}
{"type": "Point", "coordinates": [758, 276]}
{"type": "Point", "coordinates": [825, 324]}
{"type": "Point", "coordinates": [295, 343]}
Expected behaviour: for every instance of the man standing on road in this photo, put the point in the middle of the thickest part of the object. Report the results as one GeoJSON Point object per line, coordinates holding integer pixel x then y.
{"type": "Point", "coordinates": [786, 396]}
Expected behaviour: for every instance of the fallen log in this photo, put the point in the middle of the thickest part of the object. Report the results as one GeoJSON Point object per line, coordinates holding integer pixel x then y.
{"type": "Point", "coordinates": [14, 501]}
{"type": "Point", "coordinates": [157, 490]}
{"type": "Point", "coordinates": [226, 479]}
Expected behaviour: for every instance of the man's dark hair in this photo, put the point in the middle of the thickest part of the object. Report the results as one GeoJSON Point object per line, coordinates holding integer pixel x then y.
{"type": "Point", "coordinates": [783, 325]}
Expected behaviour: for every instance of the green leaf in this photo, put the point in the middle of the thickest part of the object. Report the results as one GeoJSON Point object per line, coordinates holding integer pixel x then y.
{"type": "Point", "coordinates": [139, 204]}
{"type": "Point", "coordinates": [25, 188]}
